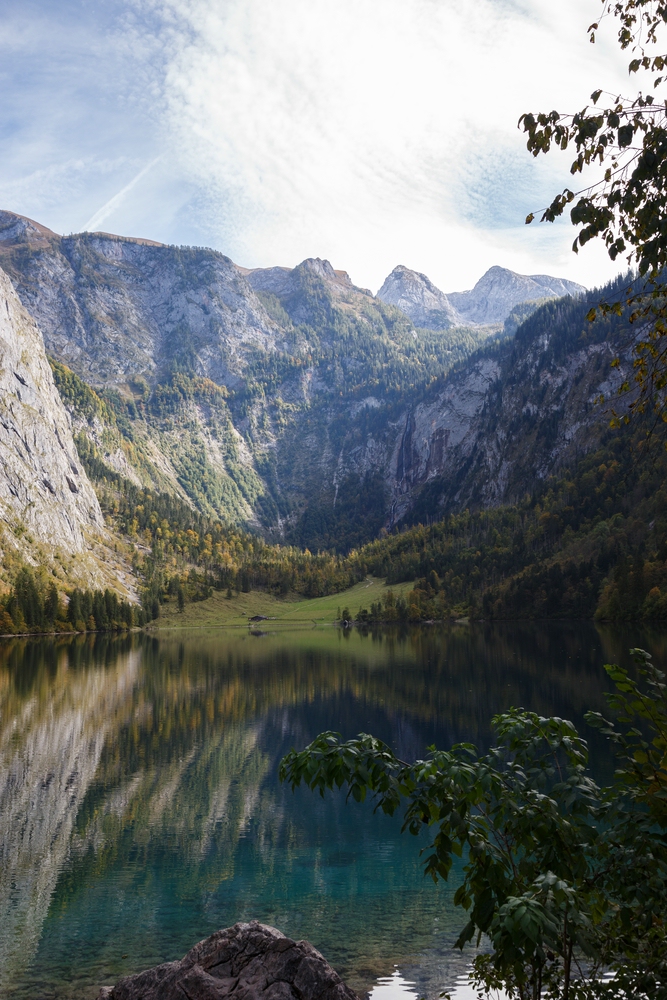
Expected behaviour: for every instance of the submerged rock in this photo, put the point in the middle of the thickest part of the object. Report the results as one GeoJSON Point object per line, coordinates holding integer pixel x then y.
{"type": "Point", "coordinates": [247, 961]}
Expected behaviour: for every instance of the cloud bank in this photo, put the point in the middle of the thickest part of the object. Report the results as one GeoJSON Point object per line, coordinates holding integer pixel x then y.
{"type": "Point", "coordinates": [371, 132]}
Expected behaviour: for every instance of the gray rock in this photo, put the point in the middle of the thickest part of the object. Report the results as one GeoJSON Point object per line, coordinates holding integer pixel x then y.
{"type": "Point", "coordinates": [248, 962]}
{"type": "Point", "coordinates": [114, 308]}
{"type": "Point", "coordinates": [42, 487]}
{"type": "Point", "coordinates": [419, 299]}
{"type": "Point", "coordinates": [499, 290]}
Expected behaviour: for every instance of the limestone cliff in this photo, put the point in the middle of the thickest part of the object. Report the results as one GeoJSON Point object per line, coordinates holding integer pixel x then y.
{"type": "Point", "coordinates": [114, 308]}
{"type": "Point", "coordinates": [489, 303]}
{"type": "Point", "coordinates": [499, 290]}
{"type": "Point", "coordinates": [296, 403]}
{"type": "Point", "coordinates": [227, 384]}
{"type": "Point", "coordinates": [513, 416]}
{"type": "Point", "coordinates": [417, 296]}
{"type": "Point", "coordinates": [43, 489]}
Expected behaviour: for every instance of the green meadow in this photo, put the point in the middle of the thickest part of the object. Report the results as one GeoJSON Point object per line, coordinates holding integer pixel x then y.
{"type": "Point", "coordinates": [219, 610]}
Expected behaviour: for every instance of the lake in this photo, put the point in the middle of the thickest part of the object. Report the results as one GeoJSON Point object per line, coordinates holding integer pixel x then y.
{"type": "Point", "coordinates": [140, 808]}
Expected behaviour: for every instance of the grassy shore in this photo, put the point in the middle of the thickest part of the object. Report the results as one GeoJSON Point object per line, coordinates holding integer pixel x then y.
{"type": "Point", "coordinates": [219, 610]}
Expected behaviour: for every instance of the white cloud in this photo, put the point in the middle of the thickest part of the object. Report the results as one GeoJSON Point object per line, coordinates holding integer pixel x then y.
{"type": "Point", "coordinates": [114, 203]}
{"type": "Point", "coordinates": [371, 132]}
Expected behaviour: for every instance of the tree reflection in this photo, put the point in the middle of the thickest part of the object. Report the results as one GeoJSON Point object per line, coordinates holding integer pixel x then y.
{"type": "Point", "coordinates": [139, 786]}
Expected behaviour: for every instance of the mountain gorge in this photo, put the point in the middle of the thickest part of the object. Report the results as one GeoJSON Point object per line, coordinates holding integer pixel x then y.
{"type": "Point", "coordinates": [299, 405]}
{"type": "Point", "coordinates": [225, 386]}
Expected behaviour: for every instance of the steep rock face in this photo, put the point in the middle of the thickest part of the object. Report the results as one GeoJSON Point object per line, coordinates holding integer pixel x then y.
{"type": "Point", "coordinates": [419, 298]}
{"type": "Point", "coordinates": [499, 290]}
{"type": "Point", "coordinates": [115, 308]}
{"type": "Point", "coordinates": [512, 418]}
{"type": "Point", "coordinates": [250, 961]}
{"type": "Point", "coordinates": [42, 485]}
{"type": "Point", "coordinates": [308, 289]}
{"type": "Point", "coordinates": [334, 399]}
{"type": "Point", "coordinates": [284, 281]}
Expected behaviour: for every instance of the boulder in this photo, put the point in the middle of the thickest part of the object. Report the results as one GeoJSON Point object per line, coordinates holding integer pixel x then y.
{"type": "Point", "coordinates": [247, 962]}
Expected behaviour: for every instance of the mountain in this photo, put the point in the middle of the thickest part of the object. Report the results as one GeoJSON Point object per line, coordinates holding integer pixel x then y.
{"type": "Point", "coordinates": [115, 309]}
{"type": "Point", "coordinates": [42, 485]}
{"type": "Point", "coordinates": [489, 303]}
{"type": "Point", "coordinates": [492, 429]}
{"type": "Point", "coordinates": [224, 386]}
{"type": "Point", "coordinates": [47, 503]}
{"type": "Point", "coordinates": [418, 297]}
{"type": "Point", "coordinates": [297, 404]}
{"type": "Point", "coordinates": [516, 414]}
{"type": "Point", "coordinates": [499, 290]}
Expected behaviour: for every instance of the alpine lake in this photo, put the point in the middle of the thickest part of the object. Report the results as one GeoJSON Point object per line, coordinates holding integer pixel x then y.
{"type": "Point", "coordinates": [140, 807]}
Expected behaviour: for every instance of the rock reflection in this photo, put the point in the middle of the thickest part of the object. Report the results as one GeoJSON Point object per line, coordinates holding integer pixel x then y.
{"type": "Point", "coordinates": [51, 740]}
{"type": "Point", "coordinates": [140, 810]}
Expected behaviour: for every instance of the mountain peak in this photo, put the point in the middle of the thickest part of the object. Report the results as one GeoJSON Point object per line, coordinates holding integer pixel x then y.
{"type": "Point", "coordinates": [20, 229]}
{"type": "Point", "coordinates": [418, 297]}
{"type": "Point", "coordinates": [489, 303]}
{"type": "Point", "coordinates": [499, 290]}
{"type": "Point", "coordinates": [284, 280]}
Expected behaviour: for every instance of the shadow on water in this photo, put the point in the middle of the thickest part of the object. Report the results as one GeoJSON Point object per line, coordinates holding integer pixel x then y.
{"type": "Point", "coordinates": [140, 808]}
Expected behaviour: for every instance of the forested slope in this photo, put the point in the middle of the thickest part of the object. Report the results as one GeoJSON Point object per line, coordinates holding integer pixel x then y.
{"type": "Point", "coordinates": [591, 541]}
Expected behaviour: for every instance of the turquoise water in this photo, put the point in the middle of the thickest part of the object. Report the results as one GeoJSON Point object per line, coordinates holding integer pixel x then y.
{"type": "Point", "coordinates": [140, 808]}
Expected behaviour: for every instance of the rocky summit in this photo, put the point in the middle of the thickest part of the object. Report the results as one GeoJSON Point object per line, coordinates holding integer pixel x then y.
{"type": "Point", "coordinates": [248, 962]}
{"type": "Point", "coordinates": [489, 303]}
{"type": "Point", "coordinates": [418, 297]}
{"type": "Point", "coordinates": [499, 290]}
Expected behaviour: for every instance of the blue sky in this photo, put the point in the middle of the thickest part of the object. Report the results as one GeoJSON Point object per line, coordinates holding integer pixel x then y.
{"type": "Point", "coordinates": [370, 132]}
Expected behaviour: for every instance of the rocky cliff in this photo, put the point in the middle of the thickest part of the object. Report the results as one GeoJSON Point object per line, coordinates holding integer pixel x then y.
{"type": "Point", "coordinates": [114, 309]}
{"type": "Point", "coordinates": [43, 488]}
{"type": "Point", "coordinates": [499, 290]}
{"type": "Point", "coordinates": [294, 402]}
{"type": "Point", "coordinates": [226, 385]}
{"type": "Point", "coordinates": [497, 293]}
{"type": "Point", "coordinates": [419, 298]}
{"type": "Point", "coordinates": [517, 414]}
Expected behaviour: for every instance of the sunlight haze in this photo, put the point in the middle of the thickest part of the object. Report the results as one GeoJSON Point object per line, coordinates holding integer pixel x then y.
{"type": "Point", "coordinates": [367, 133]}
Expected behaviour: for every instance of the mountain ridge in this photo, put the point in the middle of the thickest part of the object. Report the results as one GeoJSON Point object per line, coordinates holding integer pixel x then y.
{"type": "Point", "coordinates": [280, 399]}
{"type": "Point", "coordinates": [490, 302]}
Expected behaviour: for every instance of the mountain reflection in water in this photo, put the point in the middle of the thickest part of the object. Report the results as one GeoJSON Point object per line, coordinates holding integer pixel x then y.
{"type": "Point", "coordinates": [140, 808]}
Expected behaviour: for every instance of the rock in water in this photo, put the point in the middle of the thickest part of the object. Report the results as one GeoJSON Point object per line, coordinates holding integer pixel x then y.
{"type": "Point", "coordinates": [247, 962]}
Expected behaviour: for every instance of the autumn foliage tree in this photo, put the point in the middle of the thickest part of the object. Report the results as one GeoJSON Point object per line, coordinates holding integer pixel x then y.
{"type": "Point", "coordinates": [626, 207]}
{"type": "Point", "coordinates": [567, 880]}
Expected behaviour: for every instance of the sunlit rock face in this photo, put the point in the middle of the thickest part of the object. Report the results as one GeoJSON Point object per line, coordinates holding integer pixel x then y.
{"type": "Point", "coordinates": [50, 747]}
{"type": "Point", "coordinates": [284, 281]}
{"type": "Point", "coordinates": [419, 298]}
{"type": "Point", "coordinates": [43, 487]}
{"type": "Point", "coordinates": [299, 387]}
{"type": "Point", "coordinates": [499, 290]}
{"type": "Point", "coordinates": [113, 308]}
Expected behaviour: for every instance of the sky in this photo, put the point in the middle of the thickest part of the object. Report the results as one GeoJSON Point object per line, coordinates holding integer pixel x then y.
{"type": "Point", "coordinates": [368, 132]}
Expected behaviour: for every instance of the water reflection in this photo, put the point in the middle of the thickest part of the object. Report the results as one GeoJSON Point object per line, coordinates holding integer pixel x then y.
{"type": "Point", "coordinates": [139, 806]}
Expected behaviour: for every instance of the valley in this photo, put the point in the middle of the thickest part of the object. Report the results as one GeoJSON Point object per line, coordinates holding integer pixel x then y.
{"type": "Point", "coordinates": [282, 431]}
